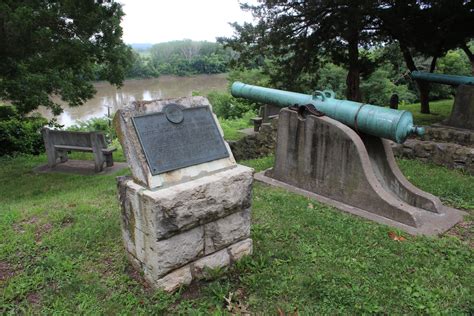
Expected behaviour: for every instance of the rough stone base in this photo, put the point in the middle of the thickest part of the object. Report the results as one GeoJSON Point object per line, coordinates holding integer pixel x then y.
{"type": "Point", "coordinates": [256, 144]}
{"type": "Point", "coordinates": [172, 234]}
{"type": "Point", "coordinates": [198, 269]}
{"type": "Point", "coordinates": [450, 155]}
{"type": "Point", "coordinates": [445, 134]}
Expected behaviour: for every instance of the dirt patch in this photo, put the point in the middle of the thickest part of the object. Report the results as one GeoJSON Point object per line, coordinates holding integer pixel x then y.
{"type": "Point", "coordinates": [137, 277]}
{"type": "Point", "coordinates": [108, 266]}
{"type": "Point", "coordinates": [6, 271]}
{"type": "Point", "coordinates": [67, 221]}
{"type": "Point", "coordinates": [193, 291]}
{"type": "Point", "coordinates": [33, 298]}
{"type": "Point", "coordinates": [464, 231]}
{"type": "Point", "coordinates": [20, 226]}
{"type": "Point", "coordinates": [41, 230]}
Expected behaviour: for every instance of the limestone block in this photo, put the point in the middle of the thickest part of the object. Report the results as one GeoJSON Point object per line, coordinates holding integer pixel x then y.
{"type": "Point", "coordinates": [241, 249]}
{"type": "Point", "coordinates": [166, 255]}
{"type": "Point", "coordinates": [227, 230]}
{"type": "Point", "coordinates": [218, 259]}
{"type": "Point", "coordinates": [183, 206]}
{"type": "Point", "coordinates": [172, 281]}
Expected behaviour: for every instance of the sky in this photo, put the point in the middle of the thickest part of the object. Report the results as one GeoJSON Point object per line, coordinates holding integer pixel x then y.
{"type": "Point", "coordinates": [155, 21]}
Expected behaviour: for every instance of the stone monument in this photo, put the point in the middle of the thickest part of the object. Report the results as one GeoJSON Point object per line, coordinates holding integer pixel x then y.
{"type": "Point", "coordinates": [186, 207]}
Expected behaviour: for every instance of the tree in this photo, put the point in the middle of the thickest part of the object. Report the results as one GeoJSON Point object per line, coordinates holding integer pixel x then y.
{"type": "Point", "coordinates": [52, 47]}
{"type": "Point", "coordinates": [296, 33]}
{"type": "Point", "coordinates": [427, 27]}
{"type": "Point", "coordinates": [469, 54]}
{"type": "Point", "coordinates": [189, 57]}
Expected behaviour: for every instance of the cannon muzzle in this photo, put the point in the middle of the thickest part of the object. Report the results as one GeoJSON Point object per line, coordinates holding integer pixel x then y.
{"type": "Point", "coordinates": [374, 120]}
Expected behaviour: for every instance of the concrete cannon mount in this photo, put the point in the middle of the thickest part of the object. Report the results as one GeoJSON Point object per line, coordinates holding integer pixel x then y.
{"type": "Point", "coordinates": [326, 160]}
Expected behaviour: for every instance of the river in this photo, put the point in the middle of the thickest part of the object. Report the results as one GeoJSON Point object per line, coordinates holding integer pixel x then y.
{"type": "Point", "coordinates": [110, 98]}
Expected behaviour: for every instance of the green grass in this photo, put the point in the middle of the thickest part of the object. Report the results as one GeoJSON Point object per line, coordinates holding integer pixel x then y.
{"type": "Point", "coordinates": [231, 127]}
{"type": "Point", "coordinates": [439, 111]}
{"type": "Point", "coordinates": [61, 252]}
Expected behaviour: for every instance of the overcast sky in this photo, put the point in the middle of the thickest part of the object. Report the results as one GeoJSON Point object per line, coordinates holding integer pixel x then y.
{"type": "Point", "coordinates": [154, 21]}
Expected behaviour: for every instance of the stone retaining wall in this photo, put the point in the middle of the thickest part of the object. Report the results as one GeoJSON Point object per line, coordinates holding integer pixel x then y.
{"type": "Point", "coordinates": [449, 135]}
{"type": "Point", "coordinates": [450, 155]}
{"type": "Point", "coordinates": [257, 144]}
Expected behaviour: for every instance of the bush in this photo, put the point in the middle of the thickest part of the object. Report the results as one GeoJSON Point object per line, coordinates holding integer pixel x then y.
{"type": "Point", "coordinates": [378, 89]}
{"type": "Point", "coordinates": [249, 76]}
{"type": "Point", "coordinates": [226, 106]}
{"type": "Point", "coordinates": [102, 124]}
{"type": "Point", "coordinates": [333, 77]}
{"type": "Point", "coordinates": [21, 135]}
{"type": "Point", "coordinates": [7, 112]}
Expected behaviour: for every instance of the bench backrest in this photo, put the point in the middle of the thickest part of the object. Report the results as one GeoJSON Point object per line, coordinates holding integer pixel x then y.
{"type": "Point", "coordinates": [80, 139]}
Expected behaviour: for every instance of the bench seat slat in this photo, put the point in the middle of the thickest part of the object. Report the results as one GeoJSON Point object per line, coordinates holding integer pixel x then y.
{"type": "Point", "coordinates": [78, 148]}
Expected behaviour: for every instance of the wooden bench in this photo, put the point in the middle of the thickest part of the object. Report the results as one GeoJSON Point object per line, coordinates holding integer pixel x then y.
{"type": "Point", "coordinates": [59, 143]}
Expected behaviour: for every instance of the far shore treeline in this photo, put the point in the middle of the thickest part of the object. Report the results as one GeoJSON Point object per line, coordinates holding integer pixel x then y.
{"type": "Point", "coordinates": [181, 58]}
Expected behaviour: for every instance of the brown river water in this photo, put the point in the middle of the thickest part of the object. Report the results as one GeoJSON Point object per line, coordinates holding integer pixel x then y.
{"type": "Point", "coordinates": [109, 98]}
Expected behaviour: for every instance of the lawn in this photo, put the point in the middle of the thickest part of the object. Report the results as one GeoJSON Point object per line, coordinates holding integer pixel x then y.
{"type": "Point", "coordinates": [61, 253]}
{"type": "Point", "coordinates": [439, 111]}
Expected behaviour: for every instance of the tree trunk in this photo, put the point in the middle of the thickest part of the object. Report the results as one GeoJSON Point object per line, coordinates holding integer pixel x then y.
{"type": "Point", "coordinates": [353, 76]}
{"type": "Point", "coordinates": [423, 86]}
{"type": "Point", "coordinates": [424, 89]}
{"type": "Point", "coordinates": [470, 55]}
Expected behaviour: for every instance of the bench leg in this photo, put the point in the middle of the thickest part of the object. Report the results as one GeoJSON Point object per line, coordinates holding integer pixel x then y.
{"type": "Point", "coordinates": [50, 151]}
{"type": "Point", "coordinates": [109, 160]}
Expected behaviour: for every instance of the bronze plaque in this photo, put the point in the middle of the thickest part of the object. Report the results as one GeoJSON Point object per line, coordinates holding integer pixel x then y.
{"type": "Point", "coordinates": [179, 137]}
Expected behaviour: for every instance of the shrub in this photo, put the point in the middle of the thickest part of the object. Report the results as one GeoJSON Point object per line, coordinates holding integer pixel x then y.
{"type": "Point", "coordinates": [250, 76]}
{"type": "Point", "coordinates": [226, 106]}
{"type": "Point", "coordinates": [21, 135]}
{"type": "Point", "coordinates": [7, 112]}
{"type": "Point", "coordinates": [102, 124]}
{"type": "Point", "coordinates": [378, 89]}
{"type": "Point", "coordinates": [332, 77]}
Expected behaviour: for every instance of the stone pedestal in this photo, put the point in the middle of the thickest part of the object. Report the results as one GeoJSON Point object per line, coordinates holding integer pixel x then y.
{"type": "Point", "coordinates": [178, 224]}
{"type": "Point", "coordinates": [324, 159]}
{"type": "Point", "coordinates": [462, 115]}
{"type": "Point", "coordinates": [174, 234]}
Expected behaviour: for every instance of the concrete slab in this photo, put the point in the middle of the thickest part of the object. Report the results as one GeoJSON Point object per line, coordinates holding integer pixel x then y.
{"type": "Point", "coordinates": [81, 167]}
{"type": "Point", "coordinates": [434, 224]}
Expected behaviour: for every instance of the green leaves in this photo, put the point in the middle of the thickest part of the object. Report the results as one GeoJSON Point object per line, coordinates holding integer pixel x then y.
{"type": "Point", "coordinates": [52, 47]}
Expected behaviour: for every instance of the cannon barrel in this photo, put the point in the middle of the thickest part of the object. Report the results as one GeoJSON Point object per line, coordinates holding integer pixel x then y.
{"type": "Point", "coordinates": [374, 120]}
{"type": "Point", "coordinates": [444, 79]}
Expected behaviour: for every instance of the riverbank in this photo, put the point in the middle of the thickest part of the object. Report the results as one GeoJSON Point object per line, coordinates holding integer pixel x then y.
{"type": "Point", "coordinates": [109, 98]}
{"type": "Point", "coordinates": [61, 252]}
